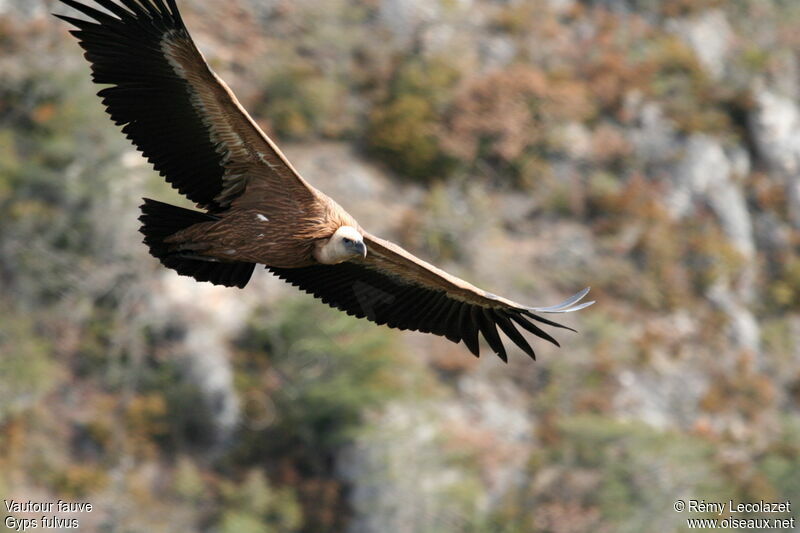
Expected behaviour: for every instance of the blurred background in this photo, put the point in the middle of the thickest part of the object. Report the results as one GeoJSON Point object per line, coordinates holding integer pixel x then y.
{"type": "Point", "coordinates": [649, 149]}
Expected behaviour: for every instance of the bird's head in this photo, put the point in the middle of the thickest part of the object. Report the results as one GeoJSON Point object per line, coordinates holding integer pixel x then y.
{"type": "Point", "coordinates": [346, 243]}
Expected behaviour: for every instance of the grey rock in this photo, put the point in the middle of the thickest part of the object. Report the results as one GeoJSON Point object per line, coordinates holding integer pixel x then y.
{"type": "Point", "coordinates": [404, 18]}
{"type": "Point", "coordinates": [203, 348]}
{"type": "Point", "coordinates": [743, 329]}
{"type": "Point", "coordinates": [710, 36]}
{"type": "Point", "coordinates": [497, 51]}
{"type": "Point", "coordinates": [404, 478]}
{"type": "Point", "coordinates": [775, 127]}
{"type": "Point", "coordinates": [653, 137]}
{"type": "Point", "coordinates": [664, 396]}
{"type": "Point", "coordinates": [26, 9]}
{"type": "Point", "coordinates": [706, 174]}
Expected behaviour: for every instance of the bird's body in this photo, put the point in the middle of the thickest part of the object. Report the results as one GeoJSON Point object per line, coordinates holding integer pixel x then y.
{"type": "Point", "coordinates": [256, 208]}
{"type": "Point", "coordinates": [261, 235]}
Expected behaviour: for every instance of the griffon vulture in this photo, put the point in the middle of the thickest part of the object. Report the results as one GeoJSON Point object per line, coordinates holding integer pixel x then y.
{"type": "Point", "coordinates": [256, 207]}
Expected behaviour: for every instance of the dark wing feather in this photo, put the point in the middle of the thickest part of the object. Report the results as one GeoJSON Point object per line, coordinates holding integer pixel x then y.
{"type": "Point", "coordinates": [512, 333]}
{"type": "Point", "coordinates": [177, 112]}
{"type": "Point", "coordinates": [489, 331]}
{"type": "Point", "coordinates": [364, 290]}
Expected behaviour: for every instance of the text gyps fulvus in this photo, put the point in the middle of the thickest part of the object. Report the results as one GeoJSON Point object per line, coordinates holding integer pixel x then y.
{"type": "Point", "coordinates": [257, 208]}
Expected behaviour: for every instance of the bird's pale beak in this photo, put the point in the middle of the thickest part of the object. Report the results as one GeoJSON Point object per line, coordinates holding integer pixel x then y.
{"type": "Point", "coordinates": [361, 248]}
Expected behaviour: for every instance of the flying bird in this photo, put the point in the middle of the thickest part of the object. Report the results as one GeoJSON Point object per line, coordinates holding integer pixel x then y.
{"type": "Point", "coordinates": [256, 208]}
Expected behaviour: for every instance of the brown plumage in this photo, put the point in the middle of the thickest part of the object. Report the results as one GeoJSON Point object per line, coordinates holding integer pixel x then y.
{"type": "Point", "coordinates": [257, 208]}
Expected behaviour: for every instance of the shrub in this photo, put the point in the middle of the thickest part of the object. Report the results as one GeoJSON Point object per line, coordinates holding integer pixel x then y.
{"type": "Point", "coordinates": [326, 369]}
{"type": "Point", "coordinates": [403, 130]}
{"type": "Point", "coordinates": [611, 476]}
{"type": "Point", "coordinates": [253, 506]}
{"type": "Point", "coordinates": [322, 371]}
{"type": "Point", "coordinates": [301, 101]}
{"type": "Point", "coordinates": [26, 370]}
{"type": "Point", "coordinates": [506, 118]}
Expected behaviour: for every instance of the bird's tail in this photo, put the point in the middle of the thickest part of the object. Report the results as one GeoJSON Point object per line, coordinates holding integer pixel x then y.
{"type": "Point", "coordinates": [160, 220]}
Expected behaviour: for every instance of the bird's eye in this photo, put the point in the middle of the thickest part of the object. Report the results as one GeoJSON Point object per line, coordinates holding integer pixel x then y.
{"type": "Point", "coordinates": [347, 241]}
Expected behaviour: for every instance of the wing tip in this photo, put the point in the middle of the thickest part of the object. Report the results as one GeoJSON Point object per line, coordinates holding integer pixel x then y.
{"type": "Point", "coordinates": [567, 306]}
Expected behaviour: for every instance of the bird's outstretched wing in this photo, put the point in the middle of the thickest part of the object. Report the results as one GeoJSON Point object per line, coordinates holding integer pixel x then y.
{"type": "Point", "coordinates": [177, 111]}
{"type": "Point", "coordinates": [393, 287]}
{"type": "Point", "coordinates": [191, 127]}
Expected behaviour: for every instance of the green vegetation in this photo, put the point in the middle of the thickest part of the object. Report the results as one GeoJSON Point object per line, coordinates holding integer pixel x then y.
{"type": "Point", "coordinates": [301, 102]}
{"type": "Point", "coordinates": [403, 131]}
{"type": "Point", "coordinates": [327, 374]}
{"type": "Point", "coordinates": [254, 507]}
{"type": "Point", "coordinates": [26, 357]}
{"type": "Point", "coordinates": [611, 475]}
{"type": "Point", "coordinates": [322, 372]}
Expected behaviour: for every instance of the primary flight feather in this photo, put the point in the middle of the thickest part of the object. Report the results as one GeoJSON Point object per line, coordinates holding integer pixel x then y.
{"type": "Point", "coordinates": [257, 208]}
